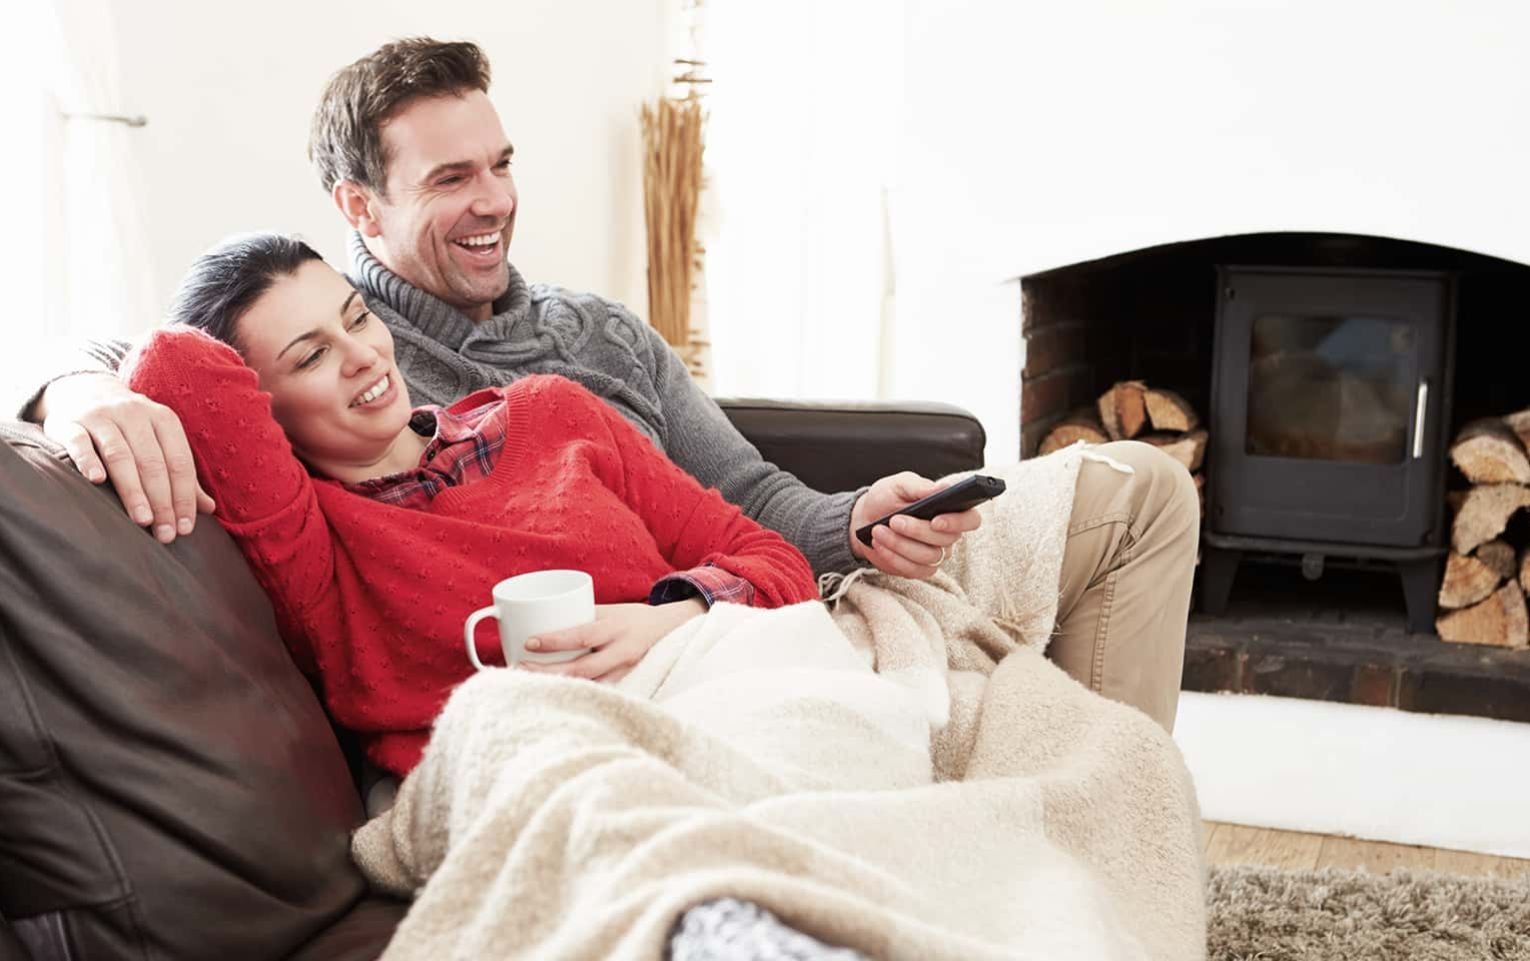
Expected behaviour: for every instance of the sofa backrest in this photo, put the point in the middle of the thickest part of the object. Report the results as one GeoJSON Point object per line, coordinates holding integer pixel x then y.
{"type": "Point", "coordinates": [169, 785]}
{"type": "Point", "coordinates": [843, 445]}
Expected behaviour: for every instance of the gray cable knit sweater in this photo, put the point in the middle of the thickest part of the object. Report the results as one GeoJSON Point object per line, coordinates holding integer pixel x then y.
{"type": "Point", "coordinates": [540, 329]}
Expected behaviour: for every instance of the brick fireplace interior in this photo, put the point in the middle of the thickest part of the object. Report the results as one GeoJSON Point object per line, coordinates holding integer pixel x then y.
{"type": "Point", "coordinates": [1150, 315]}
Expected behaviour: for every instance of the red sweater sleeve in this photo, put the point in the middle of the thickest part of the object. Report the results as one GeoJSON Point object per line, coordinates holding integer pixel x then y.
{"type": "Point", "coordinates": [266, 498]}
{"type": "Point", "coordinates": [692, 525]}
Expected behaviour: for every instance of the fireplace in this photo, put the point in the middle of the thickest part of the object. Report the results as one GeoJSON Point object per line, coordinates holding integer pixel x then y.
{"type": "Point", "coordinates": [1329, 412]}
{"type": "Point", "coordinates": [1359, 328]}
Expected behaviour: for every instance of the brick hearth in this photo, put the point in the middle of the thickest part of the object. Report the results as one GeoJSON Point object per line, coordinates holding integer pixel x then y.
{"type": "Point", "coordinates": [1344, 638]}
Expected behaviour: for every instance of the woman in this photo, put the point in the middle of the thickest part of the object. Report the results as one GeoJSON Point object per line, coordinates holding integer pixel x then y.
{"type": "Point", "coordinates": [376, 529]}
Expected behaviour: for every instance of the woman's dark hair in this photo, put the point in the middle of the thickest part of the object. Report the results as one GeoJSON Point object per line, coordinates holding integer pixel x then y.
{"type": "Point", "coordinates": [227, 280]}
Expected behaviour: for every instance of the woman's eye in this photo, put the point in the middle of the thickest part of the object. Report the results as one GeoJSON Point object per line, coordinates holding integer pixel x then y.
{"type": "Point", "coordinates": [311, 359]}
{"type": "Point", "coordinates": [361, 319]}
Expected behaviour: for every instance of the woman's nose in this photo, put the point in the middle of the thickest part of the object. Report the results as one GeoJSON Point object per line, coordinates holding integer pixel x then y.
{"type": "Point", "coordinates": [359, 355]}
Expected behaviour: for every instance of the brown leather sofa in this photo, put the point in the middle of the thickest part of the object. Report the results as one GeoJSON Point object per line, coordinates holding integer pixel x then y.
{"type": "Point", "coordinates": [169, 785]}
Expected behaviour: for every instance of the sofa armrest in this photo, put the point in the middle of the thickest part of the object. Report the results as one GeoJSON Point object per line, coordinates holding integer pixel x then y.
{"type": "Point", "coordinates": [181, 799]}
{"type": "Point", "coordinates": [836, 446]}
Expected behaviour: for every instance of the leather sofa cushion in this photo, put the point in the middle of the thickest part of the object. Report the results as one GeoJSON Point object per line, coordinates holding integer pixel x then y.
{"type": "Point", "coordinates": [10, 948]}
{"type": "Point", "coordinates": [358, 936]}
{"type": "Point", "coordinates": [169, 786]}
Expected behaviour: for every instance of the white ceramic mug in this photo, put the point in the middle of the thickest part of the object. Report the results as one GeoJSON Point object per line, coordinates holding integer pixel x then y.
{"type": "Point", "coordinates": [530, 604]}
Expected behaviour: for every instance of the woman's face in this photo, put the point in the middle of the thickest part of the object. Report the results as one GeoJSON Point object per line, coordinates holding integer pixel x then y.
{"type": "Point", "coordinates": [328, 365]}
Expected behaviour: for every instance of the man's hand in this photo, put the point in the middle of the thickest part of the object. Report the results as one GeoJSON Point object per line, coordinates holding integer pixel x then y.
{"type": "Point", "coordinates": [618, 638]}
{"type": "Point", "coordinates": [111, 432]}
{"type": "Point", "coordinates": [906, 546]}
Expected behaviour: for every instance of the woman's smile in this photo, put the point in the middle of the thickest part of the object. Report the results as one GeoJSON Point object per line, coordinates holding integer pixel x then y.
{"type": "Point", "coordinates": [380, 394]}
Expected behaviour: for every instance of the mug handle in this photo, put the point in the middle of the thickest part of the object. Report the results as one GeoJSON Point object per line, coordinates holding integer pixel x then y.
{"type": "Point", "coordinates": [467, 633]}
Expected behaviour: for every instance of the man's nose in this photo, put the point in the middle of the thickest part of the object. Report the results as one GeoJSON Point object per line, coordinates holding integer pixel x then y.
{"type": "Point", "coordinates": [494, 198]}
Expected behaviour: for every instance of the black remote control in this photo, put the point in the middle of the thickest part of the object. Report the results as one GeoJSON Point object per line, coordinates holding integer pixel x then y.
{"type": "Point", "coordinates": [960, 496]}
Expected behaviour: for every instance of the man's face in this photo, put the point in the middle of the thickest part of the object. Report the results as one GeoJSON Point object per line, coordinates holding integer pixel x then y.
{"type": "Point", "coordinates": [446, 222]}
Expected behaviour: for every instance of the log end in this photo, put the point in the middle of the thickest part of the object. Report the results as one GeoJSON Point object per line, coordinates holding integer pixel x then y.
{"type": "Point", "coordinates": [1167, 410]}
{"type": "Point", "coordinates": [1498, 621]}
{"type": "Point", "coordinates": [1467, 581]}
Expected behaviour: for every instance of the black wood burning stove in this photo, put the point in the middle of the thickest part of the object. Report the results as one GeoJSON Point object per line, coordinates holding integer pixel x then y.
{"type": "Point", "coordinates": [1329, 419]}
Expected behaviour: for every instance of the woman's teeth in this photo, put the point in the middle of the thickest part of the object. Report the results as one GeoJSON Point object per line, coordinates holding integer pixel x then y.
{"type": "Point", "coordinates": [372, 393]}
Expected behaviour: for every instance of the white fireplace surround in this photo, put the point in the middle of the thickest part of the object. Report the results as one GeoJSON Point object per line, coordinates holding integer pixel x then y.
{"type": "Point", "coordinates": [1043, 135]}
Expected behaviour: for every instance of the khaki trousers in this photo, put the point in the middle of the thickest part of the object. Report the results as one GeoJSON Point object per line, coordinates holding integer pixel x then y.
{"type": "Point", "coordinates": [1126, 576]}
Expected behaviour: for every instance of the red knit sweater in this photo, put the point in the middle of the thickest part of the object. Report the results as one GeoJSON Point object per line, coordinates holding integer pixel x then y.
{"type": "Point", "coordinates": [372, 597]}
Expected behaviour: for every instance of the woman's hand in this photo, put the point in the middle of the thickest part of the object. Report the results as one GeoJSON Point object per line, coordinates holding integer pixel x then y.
{"type": "Point", "coordinates": [618, 638]}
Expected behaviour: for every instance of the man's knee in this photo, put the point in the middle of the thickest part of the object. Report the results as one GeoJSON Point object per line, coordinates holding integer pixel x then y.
{"type": "Point", "coordinates": [1165, 492]}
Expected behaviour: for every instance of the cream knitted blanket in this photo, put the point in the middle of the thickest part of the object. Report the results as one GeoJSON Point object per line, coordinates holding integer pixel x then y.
{"type": "Point", "coordinates": [965, 800]}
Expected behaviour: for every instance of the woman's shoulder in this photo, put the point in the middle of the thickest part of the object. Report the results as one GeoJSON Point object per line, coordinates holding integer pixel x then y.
{"type": "Point", "coordinates": [560, 407]}
{"type": "Point", "coordinates": [478, 399]}
{"type": "Point", "coordinates": [531, 388]}
{"type": "Point", "coordinates": [551, 387]}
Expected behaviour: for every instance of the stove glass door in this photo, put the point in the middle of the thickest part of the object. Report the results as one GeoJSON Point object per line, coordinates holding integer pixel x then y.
{"type": "Point", "coordinates": [1331, 387]}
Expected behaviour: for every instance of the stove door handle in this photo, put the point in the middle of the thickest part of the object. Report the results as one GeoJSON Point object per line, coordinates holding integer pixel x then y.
{"type": "Point", "coordinates": [1420, 419]}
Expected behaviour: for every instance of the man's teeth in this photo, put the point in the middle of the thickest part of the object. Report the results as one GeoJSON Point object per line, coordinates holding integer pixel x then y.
{"type": "Point", "coordinates": [482, 240]}
{"type": "Point", "coordinates": [373, 392]}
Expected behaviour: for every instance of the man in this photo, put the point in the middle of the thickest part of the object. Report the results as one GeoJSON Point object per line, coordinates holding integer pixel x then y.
{"type": "Point", "coordinates": [413, 154]}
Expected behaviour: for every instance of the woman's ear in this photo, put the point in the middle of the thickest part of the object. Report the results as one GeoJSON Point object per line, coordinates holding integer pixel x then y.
{"type": "Point", "coordinates": [358, 206]}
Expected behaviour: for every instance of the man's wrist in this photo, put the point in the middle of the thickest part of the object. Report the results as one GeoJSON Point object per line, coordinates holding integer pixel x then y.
{"type": "Point", "coordinates": [857, 549]}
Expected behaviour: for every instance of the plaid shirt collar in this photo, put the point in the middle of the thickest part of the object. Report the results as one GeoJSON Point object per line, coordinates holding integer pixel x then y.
{"type": "Point", "coordinates": [465, 442]}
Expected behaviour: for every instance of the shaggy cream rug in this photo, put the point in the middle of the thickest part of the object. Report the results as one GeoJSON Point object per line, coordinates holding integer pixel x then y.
{"type": "Point", "coordinates": [1266, 914]}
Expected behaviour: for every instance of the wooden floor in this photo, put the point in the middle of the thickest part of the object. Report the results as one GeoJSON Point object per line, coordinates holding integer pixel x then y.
{"type": "Point", "coordinates": [1235, 844]}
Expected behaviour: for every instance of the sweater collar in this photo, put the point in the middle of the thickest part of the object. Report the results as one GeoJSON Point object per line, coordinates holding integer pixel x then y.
{"type": "Point", "coordinates": [431, 315]}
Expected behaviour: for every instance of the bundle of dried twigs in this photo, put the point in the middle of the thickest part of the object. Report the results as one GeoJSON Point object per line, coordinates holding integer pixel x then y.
{"type": "Point", "coordinates": [672, 145]}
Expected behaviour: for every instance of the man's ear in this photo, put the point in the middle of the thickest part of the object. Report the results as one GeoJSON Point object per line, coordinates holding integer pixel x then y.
{"type": "Point", "coordinates": [358, 206]}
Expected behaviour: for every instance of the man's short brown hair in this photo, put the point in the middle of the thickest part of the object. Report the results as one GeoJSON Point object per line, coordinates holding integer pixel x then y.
{"type": "Point", "coordinates": [345, 138]}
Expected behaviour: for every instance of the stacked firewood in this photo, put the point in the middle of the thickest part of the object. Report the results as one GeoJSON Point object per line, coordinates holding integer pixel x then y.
{"type": "Point", "coordinates": [1131, 410]}
{"type": "Point", "coordinates": [1482, 597]}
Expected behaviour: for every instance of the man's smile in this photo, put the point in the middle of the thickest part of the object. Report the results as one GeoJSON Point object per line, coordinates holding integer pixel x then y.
{"type": "Point", "coordinates": [481, 250]}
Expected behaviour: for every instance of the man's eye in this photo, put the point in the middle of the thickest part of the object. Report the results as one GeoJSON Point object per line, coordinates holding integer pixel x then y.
{"type": "Point", "coordinates": [311, 359]}
{"type": "Point", "coordinates": [503, 165]}
{"type": "Point", "coordinates": [451, 181]}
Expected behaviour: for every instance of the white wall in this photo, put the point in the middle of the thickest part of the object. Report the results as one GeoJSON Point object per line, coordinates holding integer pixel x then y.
{"type": "Point", "coordinates": [1027, 135]}
{"type": "Point", "coordinates": [799, 151]}
{"type": "Point", "coordinates": [1042, 134]}
{"type": "Point", "coordinates": [228, 90]}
